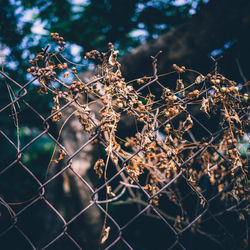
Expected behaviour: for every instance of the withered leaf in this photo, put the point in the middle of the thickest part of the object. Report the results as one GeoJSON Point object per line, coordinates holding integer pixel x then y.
{"type": "Point", "coordinates": [109, 191]}
{"type": "Point", "coordinates": [61, 156]}
{"type": "Point", "coordinates": [199, 79]}
{"type": "Point", "coordinates": [112, 58]}
{"type": "Point", "coordinates": [98, 167]}
{"type": "Point", "coordinates": [57, 117]}
{"type": "Point", "coordinates": [180, 86]}
{"type": "Point", "coordinates": [205, 106]}
{"type": "Point", "coordinates": [51, 64]}
{"type": "Point", "coordinates": [236, 118]}
{"type": "Point", "coordinates": [188, 123]}
{"type": "Point", "coordinates": [105, 235]}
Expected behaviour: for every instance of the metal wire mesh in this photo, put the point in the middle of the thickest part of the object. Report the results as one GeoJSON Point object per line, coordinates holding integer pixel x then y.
{"type": "Point", "coordinates": [202, 206]}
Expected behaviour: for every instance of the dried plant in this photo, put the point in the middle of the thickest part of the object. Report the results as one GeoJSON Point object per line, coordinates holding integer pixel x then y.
{"type": "Point", "coordinates": [164, 145]}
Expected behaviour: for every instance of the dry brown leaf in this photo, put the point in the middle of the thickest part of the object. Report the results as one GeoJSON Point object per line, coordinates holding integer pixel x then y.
{"type": "Point", "coordinates": [66, 74]}
{"type": "Point", "coordinates": [51, 65]}
{"type": "Point", "coordinates": [180, 86]}
{"type": "Point", "coordinates": [61, 156]}
{"type": "Point", "coordinates": [105, 235]}
{"type": "Point", "coordinates": [112, 58]}
{"type": "Point", "coordinates": [205, 106]}
{"type": "Point", "coordinates": [98, 167]}
{"type": "Point", "coordinates": [199, 79]}
{"type": "Point", "coordinates": [188, 123]}
{"type": "Point", "coordinates": [236, 118]}
{"type": "Point", "coordinates": [109, 191]}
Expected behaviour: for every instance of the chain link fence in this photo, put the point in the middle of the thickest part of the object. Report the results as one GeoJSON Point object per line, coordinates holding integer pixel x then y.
{"type": "Point", "coordinates": [148, 198]}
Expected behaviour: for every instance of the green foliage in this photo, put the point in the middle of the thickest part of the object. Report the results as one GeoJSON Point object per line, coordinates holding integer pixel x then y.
{"type": "Point", "coordinates": [91, 25]}
{"type": "Point", "coordinates": [98, 22]}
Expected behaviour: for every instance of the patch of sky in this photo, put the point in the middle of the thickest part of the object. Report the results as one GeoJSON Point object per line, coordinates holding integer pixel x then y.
{"type": "Point", "coordinates": [91, 67]}
{"type": "Point", "coordinates": [194, 4]}
{"type": "Point", "coordinates": [80, 2]}
{"type": "Point", "coordinates": [38, 27]}
{"type": "Point", "coordinates": [68, 80]}
{"type": "Point", "coordinates": [227, 45]}
{"type": "Point", "coordinates": [217, 52]}
{"type": "Point", "coordinates": [107, 28]}
{"type": "Point", "coordinates": [25, 53]}
{"type": "Point", "coordinates": [182, 2]}
{"type": "Point", "coordinates": [12, 65]}
{"type": "Point", "coordinates": [29, 14]}
{"type": "Point", "coordinates": [155, 36]}
{"type": "Point", "coordinates": [77, 6]}
{"type": "Point", "coordinates": [30, 77]}
{"type": "Point", "coordinates": [75, 51]}
{"type": "Point", "coordinates": [5, 52]}
{"type": "Point", "coordinates": [141, 26]}
{"type": "Point", "coordinates": [140, 6]}
{"type": "Point", "coordinates": [161, 26]}
{"type": "Point", "coordinates": [4, 56]}
{"type": "Point", "coordinates": [140, 34]}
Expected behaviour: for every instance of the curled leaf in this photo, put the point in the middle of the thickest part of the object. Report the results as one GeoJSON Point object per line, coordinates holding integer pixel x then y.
{"type": "Point", "coordinates": [109, 191]}
{"type": "Point", "coordinates": [61, 156]}
{"type": "Point", "coordinates": [113, 56]}
{"type": "Point", "coordinates": [105, 235]}
{"type": "Point", "coordinates": [180, 86]}
{"type": "Point", "coordinates": [199, 79]}
{"type": "Point", "coordinates": [205, 106]}
{"type": "Point", "coordinates": [98, 167]}
{"type": "Point", "coordinates": [236, 118]}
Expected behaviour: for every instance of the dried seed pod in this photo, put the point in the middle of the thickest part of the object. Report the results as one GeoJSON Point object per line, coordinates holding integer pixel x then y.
{"type": "Point", "coordinates": [140, 81]}
{"type": "Point", "coordinates": [245, 97]}
{"type": "Point", "coordinates": [223, 89]}
{"type": "Point", "coordinates": [120, 105]}
{"type": "Point", "coordinates": [174, 98]}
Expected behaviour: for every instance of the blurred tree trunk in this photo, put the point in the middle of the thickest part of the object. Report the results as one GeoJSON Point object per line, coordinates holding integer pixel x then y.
{"type": "Point", "coordinates": [74, 195]}
{"type": "Point", "coordinates": [89, 224]}
{"type": "Point", "coordinates": [217, 23]}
